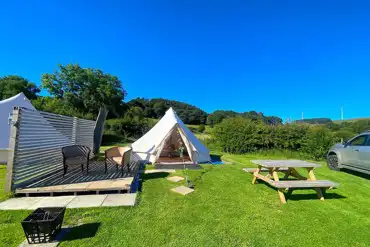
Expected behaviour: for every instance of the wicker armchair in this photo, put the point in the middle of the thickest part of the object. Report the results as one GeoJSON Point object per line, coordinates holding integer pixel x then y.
{"type": "Point", "coordinates": [118, 155]}
{"type": "Point", "coordinates": [76, 155]}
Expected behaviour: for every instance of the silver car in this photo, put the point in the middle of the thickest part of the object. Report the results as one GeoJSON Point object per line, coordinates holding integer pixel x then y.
{"type": "Point", "coordinates": [353, 154]}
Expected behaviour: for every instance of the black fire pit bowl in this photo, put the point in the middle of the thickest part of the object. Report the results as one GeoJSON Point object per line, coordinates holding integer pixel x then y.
{"type": "Point", "coordinates": [43, 224]}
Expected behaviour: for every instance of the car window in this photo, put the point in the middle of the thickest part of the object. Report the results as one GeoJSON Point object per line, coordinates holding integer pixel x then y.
{"type": "Point", "coordinates": [359, 141]}
{"type": "Point", "coordinates": [368, 140]}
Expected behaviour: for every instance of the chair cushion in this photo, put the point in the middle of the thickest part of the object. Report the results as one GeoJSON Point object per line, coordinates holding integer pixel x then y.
{"type": "Point", "coordinates": [117, 160]}
{"type": "Point", "coordinates": [76, 160]}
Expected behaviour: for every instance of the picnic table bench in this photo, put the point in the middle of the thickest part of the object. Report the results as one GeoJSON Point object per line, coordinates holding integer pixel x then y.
{"type": "Point", "coordinates": [288, 167]}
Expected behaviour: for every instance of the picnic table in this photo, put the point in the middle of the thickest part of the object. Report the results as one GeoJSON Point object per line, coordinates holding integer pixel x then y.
{"type": "Point", "coordinates": [289, 168]}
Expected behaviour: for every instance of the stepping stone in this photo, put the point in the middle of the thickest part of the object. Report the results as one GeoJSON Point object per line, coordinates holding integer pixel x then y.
{"type": "Point", "coordinates": [82, 201]}
{"type": "Point", "coordinates": [175, 179]}
{"type": "Point", "coordinates": [52, 201]}
{"type": "Point", "coordinates": [159, 171]}
{"type": "Point", "coordinates": [19, 203]}
{"type": "Point", "coordinates": [87, 201]}
{"type": "Point", "coordinates": [115, 200]}
{"type": "Point", "coordinates": [182, 190]}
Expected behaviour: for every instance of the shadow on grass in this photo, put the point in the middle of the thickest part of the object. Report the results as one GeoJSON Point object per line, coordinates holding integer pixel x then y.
{"type": "Point", "coordinates": [179, 166]}
{"type": "Point", "coordinates": [355, 173]}
{"type": "Point", "coordinates": [313, 196]}
{"type": "Point", "coordinates": [84, 231]}
{"type": "Point", "coordinates": [154, 175]}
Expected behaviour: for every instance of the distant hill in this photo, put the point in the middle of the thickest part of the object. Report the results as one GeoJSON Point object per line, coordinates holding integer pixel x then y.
{"type": "Point", "coordinates": [328, 120]}
{"type": "Point", "coordinates": [219, 115]}
{"type": "Point", "coordinates": [315, 121]}
{"type": "Point", "coordinates": [156, 108]}
{"type": "Point", "coordinates": [351, 120]}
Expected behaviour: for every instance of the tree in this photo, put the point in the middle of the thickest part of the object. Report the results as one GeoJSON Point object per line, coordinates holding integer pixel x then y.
{"type": "Point", "coordinates": [272, 120]}
{"type": "Point", "coordinates": [135, 112]}
{"type": "Point", "coordinates": [59, 106]}
{"type": "Point", "coordinates": [253, 115]}
{"type": "Point", "coordinates": [86, 89]}
{"type": "Point", "coordinates": [219, 115]}
{"type": "Point", "coordinates": [12, 85]}
{"type": "Point", "coordinates": [159, 109]}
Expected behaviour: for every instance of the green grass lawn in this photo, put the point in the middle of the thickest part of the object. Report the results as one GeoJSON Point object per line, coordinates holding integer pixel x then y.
{"type": "Point", "coordinates": [3, 196]}
{"type": "Point", "coordinates": [225, 210]}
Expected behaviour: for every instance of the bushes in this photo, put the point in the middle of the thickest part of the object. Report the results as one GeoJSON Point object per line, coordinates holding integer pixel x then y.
{"type": "Point", "coordinates": [237, 135]}
{"type": "Point", "coordinates": [361, 125]}
{"type": "Point", "coordinates": [317, 142]}
{"type": "Point", "coordinates": [201, 128]}
{"type": "Point", "coordinates": [120, 129]}
{"type": "Point", "coordinates": [344, 134]}
{"type": "Point", "coordinates": [288, 136]}
{"type": "Point", "coordinates": [240, 135]}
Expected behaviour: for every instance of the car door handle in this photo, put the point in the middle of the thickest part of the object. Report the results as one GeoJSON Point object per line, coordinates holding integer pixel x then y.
{"type": "Point", "coordinates": [356, 150]}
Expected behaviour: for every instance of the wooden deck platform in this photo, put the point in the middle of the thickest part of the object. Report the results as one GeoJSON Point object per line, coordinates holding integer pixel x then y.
{"type": "Point", "coordinates": [75, 182]}
{"type": "Point", "coordinates": [119, 185]}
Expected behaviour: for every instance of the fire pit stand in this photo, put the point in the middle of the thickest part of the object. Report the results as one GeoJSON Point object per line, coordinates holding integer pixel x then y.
{"type": "Point", "coordinates": [43, 224]}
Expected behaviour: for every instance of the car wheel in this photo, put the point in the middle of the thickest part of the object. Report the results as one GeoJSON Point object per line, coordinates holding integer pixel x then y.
{"type": "Point", "coordinates": [333, 162]}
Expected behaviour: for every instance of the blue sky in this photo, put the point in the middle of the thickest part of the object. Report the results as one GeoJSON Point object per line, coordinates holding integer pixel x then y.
{"type": "Point", "coordinates": [276, 57]}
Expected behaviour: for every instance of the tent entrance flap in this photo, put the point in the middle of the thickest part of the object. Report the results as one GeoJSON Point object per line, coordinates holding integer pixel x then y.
{"type": "Point", "coordinates": [168, 151]}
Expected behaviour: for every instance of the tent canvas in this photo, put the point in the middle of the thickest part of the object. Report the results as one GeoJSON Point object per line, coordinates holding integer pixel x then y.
{"type": "Point", "coordinates": [6, 109]}
{"type": "Point", "coordinates": [168, 132]}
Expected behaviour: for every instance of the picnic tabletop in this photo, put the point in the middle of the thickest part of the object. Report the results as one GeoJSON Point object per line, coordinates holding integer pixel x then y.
{"type": "Point", "coordinates": [285, 163]}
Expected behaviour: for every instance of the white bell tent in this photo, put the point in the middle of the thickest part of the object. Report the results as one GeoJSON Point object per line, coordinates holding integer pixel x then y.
{"type": "Point", "coordinates": [165, 138]}
{"type": "Point", "coordinates": [6, 109]}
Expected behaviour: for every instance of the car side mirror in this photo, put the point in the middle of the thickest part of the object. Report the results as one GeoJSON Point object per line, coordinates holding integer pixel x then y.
{"type": "Point", "coordinates": [345, 143]}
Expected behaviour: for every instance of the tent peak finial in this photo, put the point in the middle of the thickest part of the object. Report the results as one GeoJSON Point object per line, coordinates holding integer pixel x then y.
{"type": "Point", "coordinates": [171, 109]}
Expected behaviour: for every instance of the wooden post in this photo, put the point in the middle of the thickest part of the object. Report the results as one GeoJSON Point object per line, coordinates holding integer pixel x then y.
{"type": "Point", "coordinates": [311, 174]}
{"type": "Point", "coordinates": [280, 191]}
{"type": "Point", "coordinates": [74, 131]}
{"type": "Point", "coordinates": [12, 147]}
{"type": "Point", "coordinates": [312, 177]}
{"type": "Point", "coordinates": [295, 173]}
{"type": "Point", "coordinates": [287, 174]}
{"type": "Point", "coordinates": [255, 173]}
{"type": "Point", "coordinates": [289, 193]}
{"type": "Point", "coordinates": [99, 129]}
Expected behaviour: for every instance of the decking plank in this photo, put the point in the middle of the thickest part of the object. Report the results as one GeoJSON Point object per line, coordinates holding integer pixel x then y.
{"type": "Point", "coordinates": [104, 185]}
{"type": "Point", "coordinates": [98, 185]}
{"type": "Point", "coordinates": [77, 187]}
{"type": "Point", "coordinates": [121, 183]}
{"type": "Point", "coordinates": [55, 188]}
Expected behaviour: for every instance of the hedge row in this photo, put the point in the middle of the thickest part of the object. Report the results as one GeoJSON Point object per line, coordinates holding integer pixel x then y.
{"type": "Point", "coordinates": [240, 135]}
